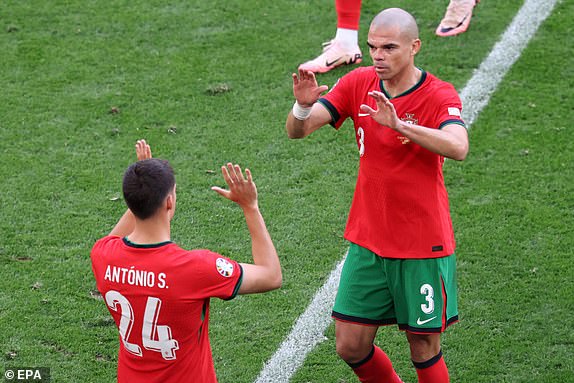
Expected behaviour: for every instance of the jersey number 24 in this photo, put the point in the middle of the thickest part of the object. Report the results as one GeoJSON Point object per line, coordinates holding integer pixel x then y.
{"type": "Point", "coordinates": [154, 337]}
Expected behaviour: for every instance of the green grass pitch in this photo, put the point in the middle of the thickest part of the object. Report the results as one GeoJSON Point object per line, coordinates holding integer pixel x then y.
{"type": "Point", "coordinates": [206, 82]}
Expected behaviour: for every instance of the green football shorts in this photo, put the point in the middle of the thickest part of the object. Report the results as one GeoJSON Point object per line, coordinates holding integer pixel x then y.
{"type": "Point", "coordinates": [417, 294]}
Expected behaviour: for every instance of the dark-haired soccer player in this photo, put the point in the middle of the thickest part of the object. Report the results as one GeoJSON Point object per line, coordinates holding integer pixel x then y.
{"type": "Point", "coordinates": [400, 267]}
{"type": "Point", "coordinates": [158, 293]}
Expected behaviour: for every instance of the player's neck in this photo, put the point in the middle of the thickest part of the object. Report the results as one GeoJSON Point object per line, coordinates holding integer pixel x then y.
{"type": "Point", "coordinates": [150, 231]}
{"type": "Point", "coordinates": [403, 81]}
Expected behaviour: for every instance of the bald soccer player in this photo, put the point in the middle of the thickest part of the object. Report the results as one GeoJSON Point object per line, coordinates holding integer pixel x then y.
{"type": "Point", "coordinates": [400, 268]}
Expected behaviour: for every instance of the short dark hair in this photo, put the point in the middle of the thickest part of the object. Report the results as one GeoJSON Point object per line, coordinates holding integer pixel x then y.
{"type": "Point", "coordinates": [146, 184]}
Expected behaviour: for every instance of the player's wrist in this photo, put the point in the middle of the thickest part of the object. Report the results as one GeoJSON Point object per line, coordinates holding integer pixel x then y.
{"type": "Point", "coordinates": [400, 126]}
{"type": "Point", "coordinates": [301, 112]}
{"type": "Point", "coordinates": [250, 208]}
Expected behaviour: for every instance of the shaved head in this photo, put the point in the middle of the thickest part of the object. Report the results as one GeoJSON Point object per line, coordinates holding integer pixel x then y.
{"type": "Point", "coordinates": [397, 18]}
{"type": "Point", "coordinates": [393, 42]}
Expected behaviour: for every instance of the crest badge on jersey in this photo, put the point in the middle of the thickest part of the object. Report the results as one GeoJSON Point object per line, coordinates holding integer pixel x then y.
{"type": "Point", "coordinates": [410, 119]}
{"type": "Point", "coordinates": [224, 267]}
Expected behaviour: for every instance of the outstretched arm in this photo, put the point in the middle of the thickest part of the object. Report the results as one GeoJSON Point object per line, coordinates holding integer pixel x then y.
{"type": "Point", "coordinates": [265, 272]}
{"type": "Point", "coordinates": [127, 222]}
{"type": "Point", "coordinates": [451, 141]}
{"type": "Point", "coordinates": [307, 115]}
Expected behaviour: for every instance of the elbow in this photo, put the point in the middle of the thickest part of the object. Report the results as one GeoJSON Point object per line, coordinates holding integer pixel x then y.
{"type": "Point", "coordinates": [272, 280]}
{"type": "Point", "coordinates": [460, 152]}
{"type": "Point", "coordinates": [270, 284]}
{"type": "Point", "coordinates": [276, 282]}
{"type": "Point", "coordinates": [459, 156]}
{"type": "Point", "coordinates": [463, 152]}
{"type": "Point", "coordinates": [295, 128]}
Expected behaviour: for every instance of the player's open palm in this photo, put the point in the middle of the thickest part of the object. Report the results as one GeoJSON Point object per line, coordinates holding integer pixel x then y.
{"type": "Point", "coordinates": [242, 189]}
{"type": "Point", "coordinates": [385, 114]}
{"type": "Point", "coordinates": [305, 88]}
{"type": "Point", "coordinates": [143, 150]}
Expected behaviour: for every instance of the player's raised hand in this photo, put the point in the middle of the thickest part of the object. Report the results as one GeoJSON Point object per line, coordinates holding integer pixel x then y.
{"type": "Point", "coordinates": [385, 113]}
{"type": "Point", "coordinates": [305, 88]}
{"type": "Point", "coordinates": [143, 150]}
{"type": "Point", "coordinates": [242, 189]}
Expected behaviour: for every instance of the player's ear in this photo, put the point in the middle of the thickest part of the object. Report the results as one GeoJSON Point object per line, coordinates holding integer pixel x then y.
{"type": "Point", "coordinates": [415, 47]}
{"type": "Point", "coordinates": [170, 200]}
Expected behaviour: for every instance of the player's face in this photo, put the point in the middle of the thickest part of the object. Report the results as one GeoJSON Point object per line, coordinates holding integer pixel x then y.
{"type": "Point", "coordinates": [391, 52]}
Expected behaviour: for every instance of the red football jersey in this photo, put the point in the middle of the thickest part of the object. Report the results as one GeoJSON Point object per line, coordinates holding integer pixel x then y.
{"type": "Point", "coordinates": [159, 297]}
{"type": "Point", "coordinates": [400, 207]}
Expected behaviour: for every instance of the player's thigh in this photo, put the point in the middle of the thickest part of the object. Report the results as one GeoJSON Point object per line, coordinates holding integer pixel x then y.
{"type": "Point", "coordinates": [363, 296]}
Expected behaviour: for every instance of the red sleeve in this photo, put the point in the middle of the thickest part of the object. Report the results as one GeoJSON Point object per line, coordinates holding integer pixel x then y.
{"type": "Point", "coordinates": [100, 249]}
{"type": "Point", "coordinates": [218, 276]}
{"type": "Point", "coordinates": [449, 110]}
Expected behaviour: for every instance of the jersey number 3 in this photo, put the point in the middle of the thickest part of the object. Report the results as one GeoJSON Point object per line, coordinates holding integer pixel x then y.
{"type": "Point", "coordinates": [154, 337]}
{"type": "Point", "coordinates": [361, 134]}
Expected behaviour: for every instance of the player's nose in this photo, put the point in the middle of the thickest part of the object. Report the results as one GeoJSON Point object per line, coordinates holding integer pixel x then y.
{"type": "Point", "coordinates": [378, 55]}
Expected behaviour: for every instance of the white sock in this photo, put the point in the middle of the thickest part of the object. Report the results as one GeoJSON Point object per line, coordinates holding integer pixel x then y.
{"type": "Point", "coordinates": [348, 38]}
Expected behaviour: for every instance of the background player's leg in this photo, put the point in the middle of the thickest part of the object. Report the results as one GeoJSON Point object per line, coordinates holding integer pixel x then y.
{"type": "Point", "coordinates": [427, 358]}
{"type": "Point", "coordinates": [355, 346]}
{"type": "Point", "coordinates": [456, 18]}
{"type": "Point", "coordinates": [348, 17]}
{"type": "Point", "coordinates": [344, 48]}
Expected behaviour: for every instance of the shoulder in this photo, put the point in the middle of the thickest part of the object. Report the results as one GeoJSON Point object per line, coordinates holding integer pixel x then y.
{"type": "Point", "coordinates": [210, 258]}
{"type": "Point", "coordinates": [440, 86]}
{"type": "Point", "coordinates": [211, 266]}
{"type": "Point", "coordinates": [106, 241]}
{"type": "Point", "coordinates": [200, 258]}
{"type": "Point", "coordinates": [105, 248]}
{"type": "Point", "coordinates": [439, 92]}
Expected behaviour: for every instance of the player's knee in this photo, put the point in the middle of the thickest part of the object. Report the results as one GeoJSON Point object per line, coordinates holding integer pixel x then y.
{"type": "Point", "coordinates": [423, 347]}
{"type": "Point", "coordinates": [352, 350]}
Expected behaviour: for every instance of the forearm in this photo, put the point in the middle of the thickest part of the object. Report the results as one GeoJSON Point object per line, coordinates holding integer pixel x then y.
{"type": "Point", "coordinates": [262, 248]}
{"type": "Point", "coordinates": [440, 141]}
{"type": "Point", "coordinates": [295, 128]}
{"type": "Point", "coordinates": [125, 225]}
{"type": "Point", "coordinates": [265, 272]}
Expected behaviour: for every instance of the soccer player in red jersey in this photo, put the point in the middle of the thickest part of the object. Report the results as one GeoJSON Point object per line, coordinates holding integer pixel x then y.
{"type": "Point", "coordinates": [159, 293]}
{"type": "Point", "coordinates": [400, 268]}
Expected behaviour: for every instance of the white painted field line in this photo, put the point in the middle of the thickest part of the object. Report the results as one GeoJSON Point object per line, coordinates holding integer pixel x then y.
{"type": "Point", "coordinates": [307, 332]}
{"type": "Point", "coordinates": [309, 329]}
{"type": "Point", "coordinates": [476, 94]}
